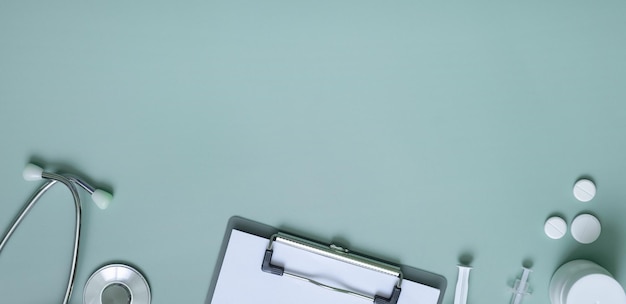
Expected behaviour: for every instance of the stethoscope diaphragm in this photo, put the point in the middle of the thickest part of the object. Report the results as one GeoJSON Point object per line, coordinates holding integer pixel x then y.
{"type": "Point", "coordinates": [116, 284]}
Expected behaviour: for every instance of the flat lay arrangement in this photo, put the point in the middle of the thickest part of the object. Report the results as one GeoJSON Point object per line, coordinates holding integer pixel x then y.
{"type": "Point", "coordinates": [244, 152]}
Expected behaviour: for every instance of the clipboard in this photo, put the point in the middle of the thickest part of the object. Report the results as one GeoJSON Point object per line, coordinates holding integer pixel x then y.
{"type": "Point", "coordinates": [264, 265]}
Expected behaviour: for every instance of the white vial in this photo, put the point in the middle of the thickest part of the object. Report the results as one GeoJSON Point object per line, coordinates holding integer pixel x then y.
{"type": "Point", "coordinates": [584, 190]}
{"type": "Point", "coordinates": [585, 282]}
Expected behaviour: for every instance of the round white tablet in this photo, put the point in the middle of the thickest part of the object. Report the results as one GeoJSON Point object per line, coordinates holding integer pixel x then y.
{"type": "Point", "coordinates": [584, 190]}
{"type": "Point", "coordinates": [555, 227]}
{"type": "Point", "coordinates": [586, 228]}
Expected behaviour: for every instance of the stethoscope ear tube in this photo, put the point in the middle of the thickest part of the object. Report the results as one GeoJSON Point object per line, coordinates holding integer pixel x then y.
{"type": "Point", "coordinates": [102, 199]}
{"type": "Point", "coordinates": [53, 179]}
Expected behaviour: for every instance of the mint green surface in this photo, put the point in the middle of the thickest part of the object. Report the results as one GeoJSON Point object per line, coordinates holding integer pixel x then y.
{"type": "Point", "coordinates": [418, 131]}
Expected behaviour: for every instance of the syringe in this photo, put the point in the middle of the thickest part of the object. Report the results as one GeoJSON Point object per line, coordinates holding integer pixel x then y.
{"type": "Point", "coordinates": [520, 288]}
{"type": "Point", "coordinates": [462, 285]}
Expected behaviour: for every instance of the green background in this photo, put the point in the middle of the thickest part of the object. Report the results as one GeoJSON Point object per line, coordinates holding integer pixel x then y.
{"type": "Point", "coordinates": [417, 131]}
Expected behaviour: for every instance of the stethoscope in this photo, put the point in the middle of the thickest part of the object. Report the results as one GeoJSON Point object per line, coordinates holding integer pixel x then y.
{"type": "Point", "coordinates": [113, 282]}
{"type": "Point", "coordinates": [100, 197]}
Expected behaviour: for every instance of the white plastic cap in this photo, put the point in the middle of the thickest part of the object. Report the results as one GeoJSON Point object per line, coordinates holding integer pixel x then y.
{"type": "Point", "coordinates": [32, 172]}
{"type": "Point", "coordinates": [595, 288]}
{"type": "Point", "coordinates": [585, 282]}
{"type": "Point", "coordinates": [101, 198]}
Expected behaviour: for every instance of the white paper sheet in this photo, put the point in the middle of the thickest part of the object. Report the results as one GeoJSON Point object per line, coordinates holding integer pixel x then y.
{"type": "Point", "coordinates": [241, 280]}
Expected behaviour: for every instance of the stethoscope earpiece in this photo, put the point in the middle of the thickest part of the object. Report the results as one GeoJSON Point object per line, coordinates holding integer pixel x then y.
{"type": "Point", "coordinates": [101, 198]}
{"type": "Point", "coordinates": [32, 172]}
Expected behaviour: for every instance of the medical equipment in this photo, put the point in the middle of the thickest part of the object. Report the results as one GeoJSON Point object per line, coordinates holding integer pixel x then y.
{"type": "Point", "coordinates": [116, 283]}
{"type": "Point", "coordinates": [462, 285]}
{"type": "Point", "coordinates": [100, 197]}
{"type": "Point", "coordinates": [520, 288]}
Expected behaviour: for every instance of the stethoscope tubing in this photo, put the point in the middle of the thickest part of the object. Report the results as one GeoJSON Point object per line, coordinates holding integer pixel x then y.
{"type": "Point", "coordinates": [53, 178]}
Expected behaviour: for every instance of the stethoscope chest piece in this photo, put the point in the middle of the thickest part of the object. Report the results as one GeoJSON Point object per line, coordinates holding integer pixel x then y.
{"type": "Point", "coordinates": [116, 284]}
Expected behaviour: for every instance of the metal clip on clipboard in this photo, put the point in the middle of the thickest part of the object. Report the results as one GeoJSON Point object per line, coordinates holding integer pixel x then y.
{"type": "Point", "coordinates": [337, 253]}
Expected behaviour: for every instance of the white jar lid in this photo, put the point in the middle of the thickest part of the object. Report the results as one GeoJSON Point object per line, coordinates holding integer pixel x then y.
{"type": "Point", "coordinates": [596, 288]}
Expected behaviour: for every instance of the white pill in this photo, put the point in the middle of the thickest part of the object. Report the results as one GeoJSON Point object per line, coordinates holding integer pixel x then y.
{"type": "Point", "coordinates": [586, 228]}
{"type": "Point", "coordinates": [584, 190]}
{"type": "Point", "coordinates": [555, 227]}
